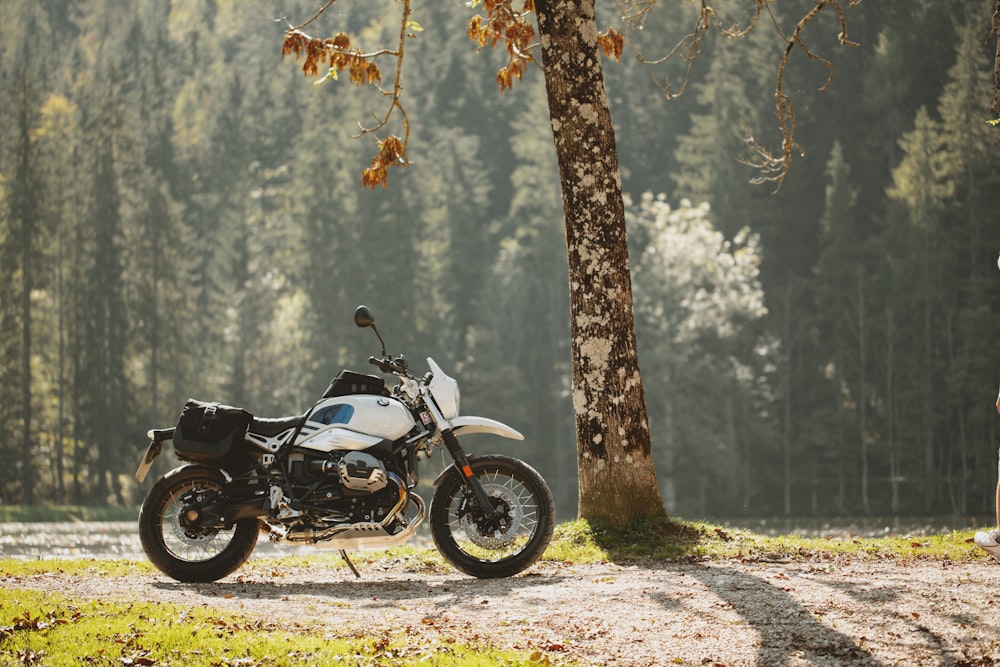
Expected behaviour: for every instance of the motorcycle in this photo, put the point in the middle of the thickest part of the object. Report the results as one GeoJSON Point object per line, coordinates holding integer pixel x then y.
{"type": "Point", "coordinates": [342, 475]}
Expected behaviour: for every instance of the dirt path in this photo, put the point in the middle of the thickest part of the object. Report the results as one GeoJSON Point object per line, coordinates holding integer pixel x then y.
{"type": "Point", "coordinates": [846, 612]}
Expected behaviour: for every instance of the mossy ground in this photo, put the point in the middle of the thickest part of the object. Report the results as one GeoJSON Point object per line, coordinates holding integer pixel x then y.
{"type": "Point", "coordinates": [674, 539]}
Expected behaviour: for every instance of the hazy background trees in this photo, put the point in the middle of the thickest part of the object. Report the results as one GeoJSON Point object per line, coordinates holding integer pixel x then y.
{"type": "Point", "coordinates": [174, 223]}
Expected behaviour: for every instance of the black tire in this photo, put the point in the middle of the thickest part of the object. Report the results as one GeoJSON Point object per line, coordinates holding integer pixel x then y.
{"type": "Point", "coordinates": [180, 553]}
{"type": "Point", "coordinates": [526, 512]}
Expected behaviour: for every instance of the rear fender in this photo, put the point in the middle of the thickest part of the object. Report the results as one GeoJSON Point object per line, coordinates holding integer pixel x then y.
{"type": "Point", "coordinates": [188, 466]}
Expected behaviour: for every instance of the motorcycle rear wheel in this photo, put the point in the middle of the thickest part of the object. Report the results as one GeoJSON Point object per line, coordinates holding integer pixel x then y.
{"type": "Point", "coordinates": [181, 552]}
{"type": "Point", "coordinates": [506, 545]}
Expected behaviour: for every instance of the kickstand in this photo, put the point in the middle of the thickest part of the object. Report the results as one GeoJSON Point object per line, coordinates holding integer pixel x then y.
{"type": "Point", "coordinates": [343, 554]}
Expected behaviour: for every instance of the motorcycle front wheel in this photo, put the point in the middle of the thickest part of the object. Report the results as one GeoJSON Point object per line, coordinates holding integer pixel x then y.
{"type": "Point", "coordinates": [174, 542]}
{"type": "Point", "coordinates": [502, 545]}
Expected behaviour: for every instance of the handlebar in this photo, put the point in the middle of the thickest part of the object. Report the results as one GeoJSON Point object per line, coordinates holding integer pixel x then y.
{"type": "Point", "coordinates": [389, 364]}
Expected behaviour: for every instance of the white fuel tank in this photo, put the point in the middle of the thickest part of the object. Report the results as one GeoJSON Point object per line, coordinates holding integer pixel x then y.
{"type": "Point", "coordinates": [354, 423]}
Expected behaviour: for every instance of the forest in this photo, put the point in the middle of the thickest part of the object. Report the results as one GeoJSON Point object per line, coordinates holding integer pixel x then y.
{"type": "Point", "coordinates": [182, 215]}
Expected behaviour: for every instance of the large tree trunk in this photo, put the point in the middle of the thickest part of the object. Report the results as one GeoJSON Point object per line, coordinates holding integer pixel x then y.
{"type": "Point", "coordinates": [617, 479]}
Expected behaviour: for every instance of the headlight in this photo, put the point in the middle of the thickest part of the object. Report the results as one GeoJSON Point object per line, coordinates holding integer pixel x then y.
{"type": "Point", "coordinates": [457, 400]}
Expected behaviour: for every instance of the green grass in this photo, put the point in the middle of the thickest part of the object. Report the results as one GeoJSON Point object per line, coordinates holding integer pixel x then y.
{"type": "Point", "coordinates": [50, 629]}
{"type": "Point", "coordinates": [675, 540]}
{"type": "Point", "coordinates": [76, 567]}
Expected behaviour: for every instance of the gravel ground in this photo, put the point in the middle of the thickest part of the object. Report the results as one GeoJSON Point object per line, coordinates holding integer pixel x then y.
{"type": "Point", "coordinates": [849, 611]}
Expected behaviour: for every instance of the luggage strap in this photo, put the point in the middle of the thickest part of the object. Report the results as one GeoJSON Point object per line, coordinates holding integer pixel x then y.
{"type": "Point", "coordinates": [205, 425]}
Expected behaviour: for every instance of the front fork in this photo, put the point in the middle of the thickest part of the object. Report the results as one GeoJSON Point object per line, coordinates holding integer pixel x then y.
{"type": "Point", "coordinates": [470, 481]}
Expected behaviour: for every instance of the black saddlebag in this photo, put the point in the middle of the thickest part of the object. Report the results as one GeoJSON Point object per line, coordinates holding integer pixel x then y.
{"type": "Point", "coordinates": [350, 382]}
{"type": "Point", "coordinates": [207, 431]}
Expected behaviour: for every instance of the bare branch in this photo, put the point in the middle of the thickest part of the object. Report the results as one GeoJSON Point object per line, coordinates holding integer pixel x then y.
{"type": "Point", "coordinates": [759, 6]}
{"type": "Point", "coordinates": [771, 168]}
{"type": "Point", "coordinates": [336, 52]}
{"type": "Point", "coordinates": [689, 46]}
{"type": "Point", "coordinates": [317, 14]}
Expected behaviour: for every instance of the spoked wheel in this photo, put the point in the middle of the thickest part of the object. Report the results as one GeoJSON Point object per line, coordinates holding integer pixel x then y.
{"type": "Point", "coordinates": [501, 545]}
{"type": "Point", "coordinates": [179, 540]}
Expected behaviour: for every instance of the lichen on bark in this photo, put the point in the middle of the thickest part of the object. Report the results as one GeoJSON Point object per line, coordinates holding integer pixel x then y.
{"type": "Point", "coordinates": [617, 477]}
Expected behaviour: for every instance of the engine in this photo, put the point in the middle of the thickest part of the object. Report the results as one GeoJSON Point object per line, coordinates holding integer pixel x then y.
{"type": "Point", "coordinates": [362, 472]}
{"type": "Point", "coordinates": [341, 486]}
{"type": "Point", "coordinates": [348, 472]}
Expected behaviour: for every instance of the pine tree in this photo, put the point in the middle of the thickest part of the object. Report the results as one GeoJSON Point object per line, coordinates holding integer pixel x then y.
{"type": "Point", "coordinates": [972, 149]}
{"type": "Point", "coordinates": [923, 186]}
{"type": "Point", "coordinates": [842, 277]}
{"type": "Point", "coordinates": [101, 378]}
{"type": "Point", "coordinates": [57, 136]}
{"type": "Point", "coordinates": [25, 216]}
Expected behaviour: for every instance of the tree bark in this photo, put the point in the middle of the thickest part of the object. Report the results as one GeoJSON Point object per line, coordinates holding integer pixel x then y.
{"type": "Point", "coordinates": [618, 481]}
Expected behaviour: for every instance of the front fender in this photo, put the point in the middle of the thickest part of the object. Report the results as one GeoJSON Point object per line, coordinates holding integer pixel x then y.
{"type": "Point", "coordinates": [447, 471]}
{"type": "Point", "coordinates": [467, 425]}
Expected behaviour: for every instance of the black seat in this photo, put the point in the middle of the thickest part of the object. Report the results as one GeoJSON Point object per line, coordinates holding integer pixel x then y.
{"type": "Point", "coordinates": [272, 427]}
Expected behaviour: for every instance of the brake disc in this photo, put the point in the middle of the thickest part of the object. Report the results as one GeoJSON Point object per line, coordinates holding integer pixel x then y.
{"type": "Point", "coordinates": [502, 536]}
